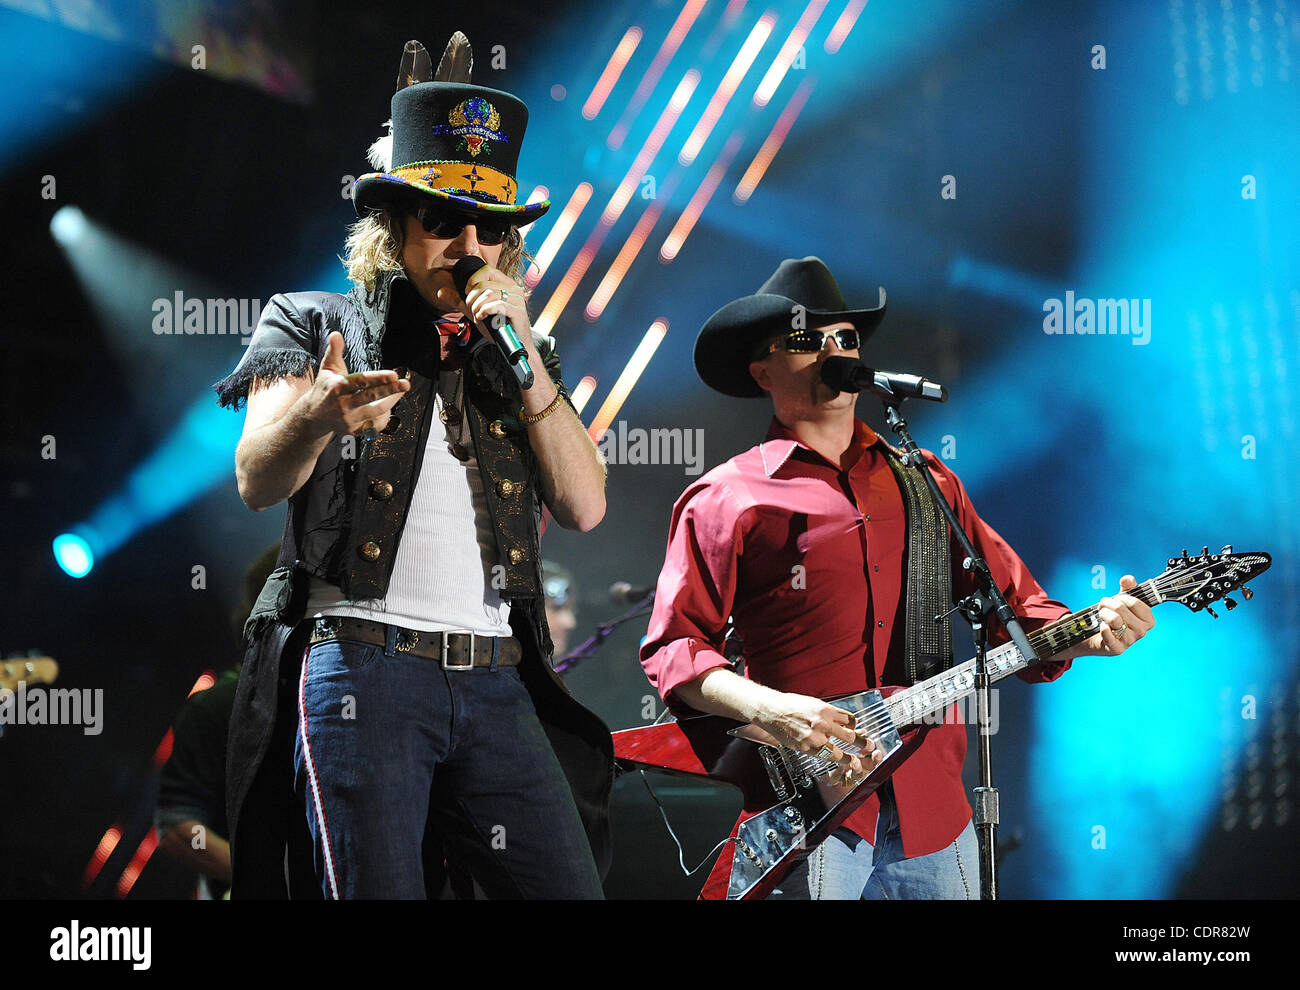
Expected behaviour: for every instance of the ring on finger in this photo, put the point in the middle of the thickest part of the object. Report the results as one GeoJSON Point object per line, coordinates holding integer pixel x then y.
{"type": "Point", "coordinates": [825, 753]}
{"type": "Point", "coordinates": [1119, 633]}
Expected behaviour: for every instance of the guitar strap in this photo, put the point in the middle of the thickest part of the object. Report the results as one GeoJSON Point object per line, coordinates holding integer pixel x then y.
{"type": "Point", "coordinates": [927, 579]}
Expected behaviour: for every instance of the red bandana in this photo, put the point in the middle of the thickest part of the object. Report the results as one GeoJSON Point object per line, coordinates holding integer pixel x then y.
{"type": "Point", "coordinates": [454, 325]}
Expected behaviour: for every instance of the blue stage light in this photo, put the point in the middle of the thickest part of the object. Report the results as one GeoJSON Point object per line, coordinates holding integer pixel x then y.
{"type": "Point", "coordinates": [73, 554]}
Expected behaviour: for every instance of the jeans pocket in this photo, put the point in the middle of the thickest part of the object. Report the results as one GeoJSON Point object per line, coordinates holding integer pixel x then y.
{"type": "Point", "coordinates": [336, 657]}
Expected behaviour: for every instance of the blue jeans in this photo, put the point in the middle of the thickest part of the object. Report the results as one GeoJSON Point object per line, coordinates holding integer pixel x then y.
{"type": "Point", "coordinates": [388, 744]}
{"type": "Point", "coordinates": [847, 867]}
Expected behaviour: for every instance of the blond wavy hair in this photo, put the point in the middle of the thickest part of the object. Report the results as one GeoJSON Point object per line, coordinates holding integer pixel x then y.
{"type": "Point", "coordinates": [375, 242]}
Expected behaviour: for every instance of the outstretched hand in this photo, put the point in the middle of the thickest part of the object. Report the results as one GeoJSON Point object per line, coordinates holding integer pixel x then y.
{"type": "Point", "coordinates": [342, 402]}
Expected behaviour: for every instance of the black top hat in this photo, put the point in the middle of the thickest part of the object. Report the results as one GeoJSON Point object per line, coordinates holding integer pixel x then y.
{"type": "Point", "coordinates": [730, 338]}
{"type": "Point", "coordinates": [453, 142]}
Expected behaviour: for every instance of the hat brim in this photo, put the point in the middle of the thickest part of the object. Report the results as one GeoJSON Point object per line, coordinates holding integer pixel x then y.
{"type": "Point", "coordinates": [380, 190]}
{"type": "Point", "coordinates": [726, 344]}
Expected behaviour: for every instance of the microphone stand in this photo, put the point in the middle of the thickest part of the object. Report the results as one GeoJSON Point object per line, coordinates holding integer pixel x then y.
{"type": "Point", "coordinates": [976, 608]}
{"type": "Point", "coordinates": [587, 649]}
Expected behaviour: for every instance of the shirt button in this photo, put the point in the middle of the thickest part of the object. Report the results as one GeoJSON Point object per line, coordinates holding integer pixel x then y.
{"type": "Point", "coordinates": [381, 490]}
{"type": "Point", "coordinates": [880, 623]}
{"type": "Point", "coordinates": [370, 550]}
{"type": "Point", "coordinates": [876, 567]}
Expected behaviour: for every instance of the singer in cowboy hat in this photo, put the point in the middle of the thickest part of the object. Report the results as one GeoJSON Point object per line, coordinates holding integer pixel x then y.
{"type": "Point", "coordinates": [397, 703]}
{"type": "Point", "coordinates": [816, 542]}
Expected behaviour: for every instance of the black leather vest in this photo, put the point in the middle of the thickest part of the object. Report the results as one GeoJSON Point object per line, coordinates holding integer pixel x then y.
{"type": "Point", "coordinates": [345, 523]}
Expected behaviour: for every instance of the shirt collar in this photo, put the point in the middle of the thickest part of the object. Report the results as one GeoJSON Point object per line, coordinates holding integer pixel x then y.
{"type": "Point", "coordinates": [781, 442]}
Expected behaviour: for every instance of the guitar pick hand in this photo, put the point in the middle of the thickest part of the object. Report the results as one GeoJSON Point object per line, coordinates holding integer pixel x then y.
{"type": "Point", "coordinates": [811, 726]}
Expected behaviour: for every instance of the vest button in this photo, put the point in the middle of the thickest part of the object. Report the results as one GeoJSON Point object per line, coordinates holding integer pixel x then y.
{"type": "Point", "coordinates": [449, 415]}
{"type": "Point", "coordinates": [516, 555]}
{"type": "Point", "coordinates": [506, 487]}
{"type": "Point", "coordinates": [381, 490]}
{"type": "Point", "coordinates": [497, 428]}
{"type": "Point", "coordinates": [370, 550]}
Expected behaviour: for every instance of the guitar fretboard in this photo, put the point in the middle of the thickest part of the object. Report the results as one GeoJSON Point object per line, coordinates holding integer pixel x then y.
{"type": "Point", "coordinates": [923, 701]}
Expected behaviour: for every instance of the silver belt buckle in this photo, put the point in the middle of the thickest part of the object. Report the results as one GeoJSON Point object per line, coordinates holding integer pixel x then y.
{"type": "Point", "coordinates": [446, 650]}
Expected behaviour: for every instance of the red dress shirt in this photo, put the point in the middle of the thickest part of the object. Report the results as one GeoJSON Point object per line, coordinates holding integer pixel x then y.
{"type": "Point", "coordinates": [808, 559]}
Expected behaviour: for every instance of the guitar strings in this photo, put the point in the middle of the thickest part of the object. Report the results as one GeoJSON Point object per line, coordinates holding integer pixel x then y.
{"type": "Point", "coordinates": [881, 719]}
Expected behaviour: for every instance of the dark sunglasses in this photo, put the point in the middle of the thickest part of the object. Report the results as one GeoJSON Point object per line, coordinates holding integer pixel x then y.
{"type": "Point", "coordinates": [813, 341]}
{"type": "Point", "coordinates": [447, 225]}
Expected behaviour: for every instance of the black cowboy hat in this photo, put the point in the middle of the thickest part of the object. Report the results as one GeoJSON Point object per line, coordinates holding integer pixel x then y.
{"type": "Point", "coordinates": [452, 142]}
{"type": "Point", "coordinates": [802, 287]}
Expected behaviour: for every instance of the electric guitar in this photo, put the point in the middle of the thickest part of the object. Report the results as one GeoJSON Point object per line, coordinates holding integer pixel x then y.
{"type": "Point", "coordinates": [790, 806]}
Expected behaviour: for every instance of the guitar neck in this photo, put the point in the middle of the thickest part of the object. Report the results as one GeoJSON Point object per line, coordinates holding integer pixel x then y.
{"type": "Point", "coordinates": [921, 702]}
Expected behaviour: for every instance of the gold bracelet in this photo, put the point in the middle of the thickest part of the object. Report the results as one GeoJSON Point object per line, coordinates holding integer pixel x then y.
{"type": "Point", "coordinates": [555, 404]}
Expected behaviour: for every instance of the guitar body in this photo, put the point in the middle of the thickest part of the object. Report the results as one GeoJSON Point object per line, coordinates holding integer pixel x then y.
{"type": "Point", "coordinates": [786, 810]}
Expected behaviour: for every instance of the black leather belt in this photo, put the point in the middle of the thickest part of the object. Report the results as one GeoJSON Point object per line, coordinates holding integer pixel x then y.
{"type": "Point", "coordinates": [454, 650]}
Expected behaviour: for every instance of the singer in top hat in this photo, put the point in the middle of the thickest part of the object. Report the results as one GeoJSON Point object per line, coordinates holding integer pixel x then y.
{"type": "Point", "coordinates": [815, 541]}
{"type": "Point", "coordinates": [397, 703]}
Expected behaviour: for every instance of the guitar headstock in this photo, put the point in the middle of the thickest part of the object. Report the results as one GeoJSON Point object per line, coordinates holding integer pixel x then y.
{"type": "Point", "coordinates": [30, 670]}
{"type": "Point", "coordinates": [1200, 581]}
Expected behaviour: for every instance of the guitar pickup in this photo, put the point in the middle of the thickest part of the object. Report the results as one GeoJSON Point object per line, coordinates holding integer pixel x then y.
{"type": "Point", "coordinates": [773, 764]}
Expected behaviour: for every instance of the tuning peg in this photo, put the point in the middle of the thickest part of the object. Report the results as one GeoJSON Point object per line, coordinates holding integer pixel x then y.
{"type": "Point", "coordinates": [1246, 593]}
{"type": "Point", "coordinates": [1184, 553]}
{"type": "Point", "coordinates": [1227, 548]}
{"type": "Point", "coordinates": [1205, 550]}
{"type": "Point", "coordinates": [1213, 614]}
{"type": "Point", "coordinates": [1230, 603]}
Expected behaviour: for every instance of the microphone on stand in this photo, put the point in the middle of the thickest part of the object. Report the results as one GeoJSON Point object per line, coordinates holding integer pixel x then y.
{"type": "Point", "coordinates": [847, 374]}
{"type": "Point", "coordinates": [502, 332]}
{"type": "Point", "coordinates": [622, 593]}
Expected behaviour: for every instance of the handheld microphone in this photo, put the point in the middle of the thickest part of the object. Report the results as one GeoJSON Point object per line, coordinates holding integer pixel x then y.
{"type": "Point", "coordinates": [851, 375]}
{"type": "Point", "coordinates": [502, 332]}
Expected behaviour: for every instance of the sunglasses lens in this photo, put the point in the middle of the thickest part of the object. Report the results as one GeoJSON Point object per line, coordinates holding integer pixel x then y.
{"type": "Point", "coordinates": [438, 223]}
{"type": "Point", "coordinates": [442, 224]}
{"type": "Point", "coordinates": [804, 341]}
{"type": "Point", "coordinates": [847, 340]}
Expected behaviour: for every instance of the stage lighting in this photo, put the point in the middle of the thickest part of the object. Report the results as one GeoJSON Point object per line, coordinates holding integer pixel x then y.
{"type": "Point", "coordinates": [68, 225]}
{"type": "Point", "coordinates": [73, 554]}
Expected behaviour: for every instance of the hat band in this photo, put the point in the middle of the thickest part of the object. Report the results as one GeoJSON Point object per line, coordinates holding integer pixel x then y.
{"type": "Point", "coordinates": [460, 178]}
